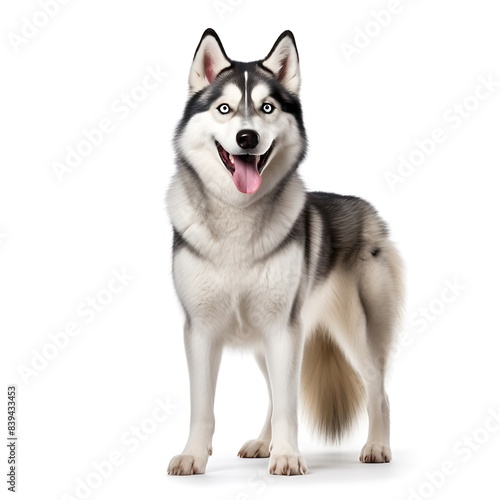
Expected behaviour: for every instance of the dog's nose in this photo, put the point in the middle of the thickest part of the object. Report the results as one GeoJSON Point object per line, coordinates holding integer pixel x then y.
{"type": "Point", "coordinates": [247, 139]}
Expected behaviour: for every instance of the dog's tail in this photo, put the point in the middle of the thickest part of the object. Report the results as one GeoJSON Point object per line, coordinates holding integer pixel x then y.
{"type": "Point", "coordinates": [332, 391]}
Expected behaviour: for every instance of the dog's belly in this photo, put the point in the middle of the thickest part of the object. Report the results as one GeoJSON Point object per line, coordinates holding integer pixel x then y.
{"type": "Point", "coordinates": [237, 301]}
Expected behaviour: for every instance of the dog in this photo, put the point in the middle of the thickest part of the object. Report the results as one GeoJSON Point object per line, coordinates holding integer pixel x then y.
{"type": "Point", "coordinates": [308, 281]}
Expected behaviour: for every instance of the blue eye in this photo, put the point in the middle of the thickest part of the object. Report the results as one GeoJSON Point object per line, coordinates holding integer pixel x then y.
{"type": "Point", "coordinates": [268, 108]}
{"type": "Point", "coordinates": [224, 109]}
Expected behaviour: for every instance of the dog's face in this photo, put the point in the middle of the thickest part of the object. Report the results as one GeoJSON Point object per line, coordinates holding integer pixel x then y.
{"type": "Point", "coordinates": [242, 129]}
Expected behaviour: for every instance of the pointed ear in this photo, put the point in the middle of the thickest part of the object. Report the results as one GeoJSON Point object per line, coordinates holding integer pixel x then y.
{"type": "Point", "coordinates": [283, 61]}
{"type": "Point", "coordinates": [209, 60]}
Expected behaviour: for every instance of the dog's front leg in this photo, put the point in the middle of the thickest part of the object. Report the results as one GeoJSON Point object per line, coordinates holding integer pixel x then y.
{"type": "Point", "coordinates": [284, 346]}
{"type": "Point", "coordinates": [203, 352]}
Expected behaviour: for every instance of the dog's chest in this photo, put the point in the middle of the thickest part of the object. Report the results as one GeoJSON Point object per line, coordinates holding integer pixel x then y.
{"type": "Point", "coordinates": [233, 294]}
{"type": "Point", "coordinates": [232, 274]}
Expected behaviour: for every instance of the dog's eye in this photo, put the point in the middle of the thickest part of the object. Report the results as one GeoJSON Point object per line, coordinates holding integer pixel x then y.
{"type": "Point", "coordinates": [224, 109]}
{"type": "Point", "coordinates": [268, 108]}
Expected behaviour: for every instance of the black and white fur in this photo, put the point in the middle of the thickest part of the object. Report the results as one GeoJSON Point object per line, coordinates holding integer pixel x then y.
{"type": "Point", "coordinates": [308, 281]}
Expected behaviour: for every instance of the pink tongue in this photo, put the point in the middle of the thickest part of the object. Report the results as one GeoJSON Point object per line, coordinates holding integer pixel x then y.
{"type": "Point", "coordinates": [246, 175]}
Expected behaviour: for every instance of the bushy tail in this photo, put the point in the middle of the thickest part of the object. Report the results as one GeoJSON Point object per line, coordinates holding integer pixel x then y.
{"type": "Point", "coordinates": [332, 391]}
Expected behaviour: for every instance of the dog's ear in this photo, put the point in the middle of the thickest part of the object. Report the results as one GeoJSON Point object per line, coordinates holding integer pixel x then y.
{"type": "Point", "coordinates": [283, 62]}
{"type": "Point", "coordinates": [209, 60]}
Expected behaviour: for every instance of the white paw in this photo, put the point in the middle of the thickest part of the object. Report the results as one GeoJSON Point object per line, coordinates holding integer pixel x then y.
{"type": "Point", "coordinates": [186, 465]}
{"type": "Point", "coordinates": [255, 448]}
{"type": "Point", "coordinates": [287, 465]}
{"type": "Point", "coordinates": [375, 453]}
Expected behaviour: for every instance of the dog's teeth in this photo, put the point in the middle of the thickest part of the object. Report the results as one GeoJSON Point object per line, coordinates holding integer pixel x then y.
{"type": "Point", "coordinates": [231, 158]}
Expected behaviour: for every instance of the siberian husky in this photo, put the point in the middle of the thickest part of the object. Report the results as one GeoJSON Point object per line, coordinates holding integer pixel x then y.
{"type": "Point", "coordinates": [308, 281]}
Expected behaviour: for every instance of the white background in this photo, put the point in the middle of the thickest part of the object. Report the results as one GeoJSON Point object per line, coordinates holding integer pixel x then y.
{"type": "Point", "coordinates": [61, 241]}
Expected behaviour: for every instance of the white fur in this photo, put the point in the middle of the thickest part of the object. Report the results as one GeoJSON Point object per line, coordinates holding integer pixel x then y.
{"type": "Point", "coordinates": [198, 144]}
{"type": "Point", "coordinates": [250, 312]}
{"type": "Point", "coordinates": [238, 290]}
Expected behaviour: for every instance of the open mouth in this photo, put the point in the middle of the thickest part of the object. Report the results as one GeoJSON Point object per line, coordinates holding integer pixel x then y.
{"type": "Point", "coordinates": [246, 169]}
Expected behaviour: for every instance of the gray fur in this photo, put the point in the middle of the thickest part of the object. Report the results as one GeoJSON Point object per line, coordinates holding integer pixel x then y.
{"type": "Point", "coordinates": [310, 282]}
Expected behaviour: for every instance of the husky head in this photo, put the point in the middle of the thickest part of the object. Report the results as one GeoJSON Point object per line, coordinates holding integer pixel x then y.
{"type": "Point", "coordinates": [242, 132]}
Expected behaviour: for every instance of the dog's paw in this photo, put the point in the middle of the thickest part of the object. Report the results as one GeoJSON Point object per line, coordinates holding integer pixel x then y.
{"type": "Point", "coordinates": [287, 465]}
{"type": "Point", "coordinates": [255, 448]}
{"type": "Point", "coordinates": [375, 453]}
{"type": "Point", "coordinates": [187, 465]}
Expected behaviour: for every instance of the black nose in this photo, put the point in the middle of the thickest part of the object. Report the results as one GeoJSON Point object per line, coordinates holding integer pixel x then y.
{"type": "Point", "coordinates": [247, 139]}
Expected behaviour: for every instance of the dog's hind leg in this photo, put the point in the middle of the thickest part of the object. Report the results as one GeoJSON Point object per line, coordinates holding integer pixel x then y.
{"type": "Point", "coordinates": [366, 309]}
{"type": "Point", "coordinates": [381, 296]}
{"type": "Point", "coordinates": [259, 448]}
{"type": "Point", "coordinates": [369, 361]}
{"type": "Point", "coordinates": [377, 448]}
